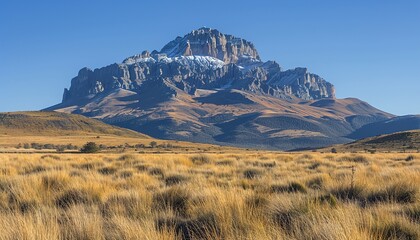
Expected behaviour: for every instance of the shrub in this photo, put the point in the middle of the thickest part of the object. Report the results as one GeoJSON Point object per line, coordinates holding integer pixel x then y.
{"type": "Point", "coordinates": [60, 148]}
{"type": "Point", "coordinates": [102, 146]}
{"type": "Point", "coordinates": [48, 146]}
{"type": "Point", "coordinates": [71, 147]}
{"type": "Point", "coordinates": [36, 146]}
{"type": "Point", "coordinates": [90, 147]}
{"type": "Point", "coordinates": [153, 144]}
{"type": "Point", "coordinates": [139, 146]}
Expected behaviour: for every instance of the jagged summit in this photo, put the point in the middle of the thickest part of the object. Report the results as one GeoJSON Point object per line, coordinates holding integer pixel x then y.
{"type": "Point", "coordinates": [210, 42]}
{"type": "Point", "coordinates": [206, 42]}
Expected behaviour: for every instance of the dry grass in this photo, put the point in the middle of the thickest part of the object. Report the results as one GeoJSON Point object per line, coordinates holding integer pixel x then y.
{"type": "Point", "coordinates": [8, 143]}
{"type": "Point", "coordinates": [257, 195]}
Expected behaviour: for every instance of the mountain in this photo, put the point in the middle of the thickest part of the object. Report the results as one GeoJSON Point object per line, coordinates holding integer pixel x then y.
{"type": "Point", "coordinates": [202, 59]}
{"type": "Point", "coordinates": [396, 124]}
{"type": "Point", "coordinates": [214, 88]}
{"type": "Point", "coordinates": [57, 124]}
{"type": "Point", "coordinates": [406, 141]}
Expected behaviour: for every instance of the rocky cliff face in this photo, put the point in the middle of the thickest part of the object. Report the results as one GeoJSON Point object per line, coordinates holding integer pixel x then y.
{"type": "Point", "coordinates": [202, 59]}
{"type": "Point", "coordinates": [302, 84]}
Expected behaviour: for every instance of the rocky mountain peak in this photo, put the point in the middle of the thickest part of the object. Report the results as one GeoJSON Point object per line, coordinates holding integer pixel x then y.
{"type": "Point", "coordinates": [212, 87]}
{"type": "Point", "coordinates": [203, 59]}
{"type": "Point", "coordinates": [210, 42]}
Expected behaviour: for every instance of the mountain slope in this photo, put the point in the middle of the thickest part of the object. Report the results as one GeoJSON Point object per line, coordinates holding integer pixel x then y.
{"type": "Point", "coordinates": [214, 88]}
{"type": "Point", "coordinates": [236, 118]}
{"type": "Point", "coordinates": [407, 141]}
{"type": "Point", "coordinates": [397, 124]}
{"type": "Point", "coordinates": [57, 124]}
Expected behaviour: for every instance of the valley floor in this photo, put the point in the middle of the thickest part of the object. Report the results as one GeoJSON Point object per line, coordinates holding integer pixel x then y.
{"type": "Point", "coordinates": [242, 195]}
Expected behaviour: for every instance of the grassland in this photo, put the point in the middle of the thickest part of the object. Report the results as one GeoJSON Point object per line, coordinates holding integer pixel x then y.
{"type": "Point", "coordinates": [8, 144]}
{"type": "Point", "coordinates": [54, 128]}
{"type": "Point", "coordinates": [238, 195]}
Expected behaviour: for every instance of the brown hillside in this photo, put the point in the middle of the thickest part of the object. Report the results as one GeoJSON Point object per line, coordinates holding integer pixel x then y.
{"type": "Point", "coordinates": [407, 141]}
{"type": "Point", "coordinates": [57, 124]}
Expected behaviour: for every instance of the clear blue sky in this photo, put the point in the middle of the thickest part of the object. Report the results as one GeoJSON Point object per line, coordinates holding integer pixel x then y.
{"type": "Point", "coordinates": [367, 49]}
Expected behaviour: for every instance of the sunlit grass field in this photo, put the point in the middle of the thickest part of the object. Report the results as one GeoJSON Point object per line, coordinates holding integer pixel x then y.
{"type": "Point", "coordinates": [242, 195]}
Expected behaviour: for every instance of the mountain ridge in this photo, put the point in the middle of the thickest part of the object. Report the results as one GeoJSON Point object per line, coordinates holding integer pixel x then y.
{"type": "Point", "coordinates": [397, 124]}
{"type": "Point", "coordinates": [214, 88]}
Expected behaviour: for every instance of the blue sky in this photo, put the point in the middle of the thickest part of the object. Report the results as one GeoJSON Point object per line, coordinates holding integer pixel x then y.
{"type": "Point", "coordinates": [367, 49]}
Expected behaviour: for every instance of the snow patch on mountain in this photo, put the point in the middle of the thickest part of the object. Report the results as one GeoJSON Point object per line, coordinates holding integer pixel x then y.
{"type": "Point", "coordinates": [202, 61]}
{"type": "Point", "coordinates": [191, 61]}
